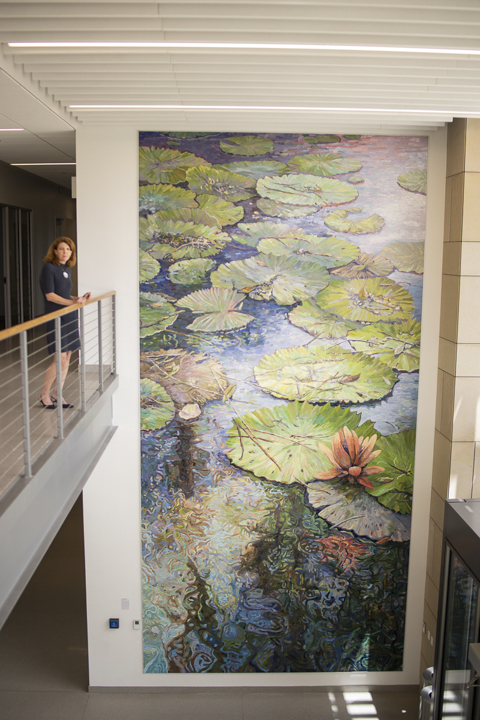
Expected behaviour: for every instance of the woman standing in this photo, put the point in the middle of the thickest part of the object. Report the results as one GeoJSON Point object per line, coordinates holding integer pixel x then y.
{"type": "Point", "coordinates": [56, 285]}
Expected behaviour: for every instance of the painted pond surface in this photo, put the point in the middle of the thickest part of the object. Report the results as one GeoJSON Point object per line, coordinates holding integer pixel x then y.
{"type": "Point", "coordinates": [252, 563]}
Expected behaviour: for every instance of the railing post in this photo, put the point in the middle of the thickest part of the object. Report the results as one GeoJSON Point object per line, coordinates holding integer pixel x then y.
{"type": "Point", "coordinates": [100, 347]}
{"type": "Point", "coordinates": [83, 363]}
{"type": "Point", "coordinates": [114, 335]}
{"type": "Point", "coordinates": [58, 359]}
{"type": "Point", "coordinates": [25, 404]}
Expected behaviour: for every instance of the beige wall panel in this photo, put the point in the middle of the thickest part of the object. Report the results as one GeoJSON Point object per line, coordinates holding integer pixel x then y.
{"type": "Point", "coordinates": [441, 465]}
{"type": "Point", "coordinates": [437, 509]}
{"type": "Point", "coordinates": [456, 147]}
{"type": "Point", "coordinates": [456, 208]}
{"type": "Point", "coordinates": [469, 258]}
{"type": "Point", "coordinates": [468, 329]}
{"type": "Point", "coordinates": [471, 209]}
{"type": "Point", "coordinates": [452, 258]}
{"type": "Point", "coordinates": [448, 209]}
{"type": "Point", "coordinates": [476, 472]}
{"type": "Point", "coordinates": [431, 595]}
{"type": "Point", "coordinates": [468, 359]}
{"type": "Point", "coordinates": [447, 356]}
{"type": "Point", "coordinates": [461, 470]}
{"type": "Point", "coordinates": [466, 425]}
{"type": "Point", "coordinates": [448, 400]}
{"type": "Point", "coordinates": [472, 146]}
{"type": "Point", "coordinates": [449, 307]}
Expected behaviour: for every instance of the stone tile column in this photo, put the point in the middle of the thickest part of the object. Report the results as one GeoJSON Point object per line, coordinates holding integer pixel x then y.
{"type": "Point", "coordinates": [456, 466]}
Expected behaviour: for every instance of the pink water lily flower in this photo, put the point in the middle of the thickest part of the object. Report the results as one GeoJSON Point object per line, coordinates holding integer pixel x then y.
{"type": "Point", "coordinates": [349, 456]}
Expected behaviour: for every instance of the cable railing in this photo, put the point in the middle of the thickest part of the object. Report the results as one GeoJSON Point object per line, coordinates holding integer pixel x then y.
{"type": "Point", "coordinates": [27, 429]}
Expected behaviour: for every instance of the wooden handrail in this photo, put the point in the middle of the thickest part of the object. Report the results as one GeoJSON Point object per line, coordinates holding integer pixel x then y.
{"type": "Point", "coordinates": [17, 329]}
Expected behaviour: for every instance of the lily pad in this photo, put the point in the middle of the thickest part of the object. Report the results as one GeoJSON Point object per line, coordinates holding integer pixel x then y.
{"type": "Point", "coordinates": [324, 374]}
{"type": "Point", "coordinates": [314, 139]}
{"type": "Point", "coordinates": [211, 211]}
{"type": "Point", "coordinates": [306, 190]}
{"type": "Point", "coordinates": [219, 310]}
{"type": "Point", "coordinates": [393, 487]}
{"type": "Point", "coordinates": [369, 300]}
{"type": "Point", "coordinates": [221, 183]}
{"type": "Point", "coordinates": [272, 277]}
{"type": "Point", "coordinates": [415, 181]}
{"type": "Point", "coordinates": [310, 317]}
{"type": "Point", "coordinates": [190, 272]}
{"type": "Point", "coordinates": [163, 165]}
{"type": "Point", "coordinates": [156, 405]}
{"type": "Point", "coordinates": [337, 221]}
{"type": "Point", "coordinates": [247, 145]}
{"type": "Point", "coordinates": [395, 344]}
{"type": "Point", "coordinates": [189, 135]}
{"type": "Point", "coordinates": [190, 411]}
{"type": "Point", "coordinates": [326, 251]}
{"type": "Point", "coordinates": [405, 256]}
{"type": "Point", "coordinates": [272, 208]}
{"type": "Point", "coordinates": [153, 198]}
{"type": "Point", "coordinates": [256, 169]}
{"type": "Point", "coordinates": [353, 509]}
{"type": "Point", "coordinates": [356, 180]}
{"type": "Point", "coordinates": [187, 377]}
{"type": "Point", "coordinates": [352, 137]}
{"type": "Point", "coordinates": [366, 265]}
{"type": "Point", "coordinates": [156, 314]}
{"type": "Point", "coordinates": [176, 239]}
{"type": "Point", "coordinates": [281, 443]}
{"type": "Point", "coordinates": [325, 164]}
{"type": "Point", "coordinates": [148, 267]}
{"type": "Point", "coordinates": [252, 233]}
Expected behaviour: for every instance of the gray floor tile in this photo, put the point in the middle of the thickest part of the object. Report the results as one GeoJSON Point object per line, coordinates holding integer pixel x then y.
{"type": "Point", "coordinates": [393, 705]}
{"type": "Point", "coordinates": [162, 706]}
{"type": "Point", "coordinates": [286, 706]}
{"type": "Point", "coordinates": [42, 705]}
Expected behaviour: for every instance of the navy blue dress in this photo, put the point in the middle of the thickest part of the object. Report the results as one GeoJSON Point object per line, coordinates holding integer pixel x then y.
{"type": "Point", "coordinates": [53, 280]}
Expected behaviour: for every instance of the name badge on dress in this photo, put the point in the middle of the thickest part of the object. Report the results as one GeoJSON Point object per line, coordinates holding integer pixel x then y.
{"type": "Point", "coordinates": [65, 275]}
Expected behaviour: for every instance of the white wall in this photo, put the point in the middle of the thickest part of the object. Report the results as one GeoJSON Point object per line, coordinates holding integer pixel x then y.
{"type": "Point", "coordinates": [107, 206]}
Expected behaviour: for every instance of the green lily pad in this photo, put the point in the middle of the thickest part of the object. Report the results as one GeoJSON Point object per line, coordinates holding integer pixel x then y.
{"type": "Point", "coordinates": [281, 443]}
{"type": "Point", "coordinates": [352, 137]}
{"type": "Point", "coordinates": [326, 251]}
{"type": "Point", "coordinates": [415, 181]}
{"type": "Point", "coordinates": [211, 211]}
{"type": "Point", "coordinates": [352, 509]}
{"type": "Point", "coordinates": [272, 208]}
{"type": "Point", "coordinates": [324, 374]}
{"type": "Point", "coordinates": [310, 317]}
{"type": "Point", "coordinates": [366, 265]}
{"type": "Point", "coordinates": [306, 190]}
{"type": "Point", "coordinates": [272, 277]}
{"type": "Point", "coordinates": [153, 198]}
{"type": "Point", "coordinates": [314, 139]}
{"type": "Point", "coordinates": [156, 405]}
{"type": "Point", "coordinates": [149, 267]}
{"type": "Point", "coordinates": [177, 240]}
{"type": "Point", "coordinates": [156, 314]}
{"type": "Point", "coordinates": [163, 165]}
{"type": "Point", "coordinates": [394, 485]}
{"type": "Point", "coordinates": [187, 377]}
{"type": "Point", "coordinates": [337, 221]}
{"type": "Point", "coordinates": [222, 183]}
{"type": "Point", "coordinates": [189, 135]}
{"type": "Point", "coordinates": [219, 310]}
{"type": "Point", "coordinates": [395, 344]}
{"type": "Point", "coordinates": [325, 164]}
{"type": "Point", "coordinates": [247, 145]}
{"type": "Point", "coordinates": [356, 180]}
{"type": "Point", "coordinates": [256, 169]}
{"type": "Point", "coordinates": [405, 256]}
{"type": "Point", "coordinates": [252, 233]}
{"type": "Point", "coordinates": [369, 300]}
{"type": "Point", "coordinates": [190, 272]}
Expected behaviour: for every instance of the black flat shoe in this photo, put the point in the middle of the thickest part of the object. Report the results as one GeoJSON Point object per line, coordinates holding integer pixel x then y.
{"type": "Point", "coordinates": [47, 407]}
{"type": "Point", "coordinates": [65, 405]}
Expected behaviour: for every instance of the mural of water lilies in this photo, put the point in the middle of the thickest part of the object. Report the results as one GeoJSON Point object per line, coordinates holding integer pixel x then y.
{"type": "Point", "coordinates": [280, 324]}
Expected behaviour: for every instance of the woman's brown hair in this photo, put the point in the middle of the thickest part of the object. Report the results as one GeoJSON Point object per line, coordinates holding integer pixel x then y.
{"type": "Point", "coordinates": [50, 257]}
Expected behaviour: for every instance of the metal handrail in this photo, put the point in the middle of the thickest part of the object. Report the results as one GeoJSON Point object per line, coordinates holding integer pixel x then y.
{"type": "Point", "coordinates": [21, 365]}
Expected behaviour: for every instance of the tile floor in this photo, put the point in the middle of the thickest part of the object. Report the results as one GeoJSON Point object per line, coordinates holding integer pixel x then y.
{"type": "Point", "coordinates": [43, 665]}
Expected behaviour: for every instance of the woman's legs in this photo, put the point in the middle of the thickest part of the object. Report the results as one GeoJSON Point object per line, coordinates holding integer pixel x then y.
{"type": "Point", "coordinates": [50, 376]}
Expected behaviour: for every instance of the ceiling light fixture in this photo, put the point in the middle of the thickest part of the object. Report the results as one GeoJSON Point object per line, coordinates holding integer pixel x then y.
{"type": "Point", "coordinates": [247, 108]}
{"type": "Point", "coordinates": [248, 46]}
{"type": "Point", "coordinates": [11, 129]}
{"type": "Point", "coordinates": [48, 163]}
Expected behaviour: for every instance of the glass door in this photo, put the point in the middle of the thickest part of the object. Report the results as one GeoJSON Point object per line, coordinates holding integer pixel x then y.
{"type": "Point", "coordinates": [16, 240]}
{"type": "Point", "coordinates": [461, 623]}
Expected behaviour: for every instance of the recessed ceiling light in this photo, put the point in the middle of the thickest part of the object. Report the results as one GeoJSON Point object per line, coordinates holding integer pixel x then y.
{"type": "Point", "coordinates": [47, 163]}
{"type": "Point", "coordinates": [248, 46]}
{"type": "Point", "coordinates": [11, 129]}
{"type": "Point", "coordinates": [279, 108]}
